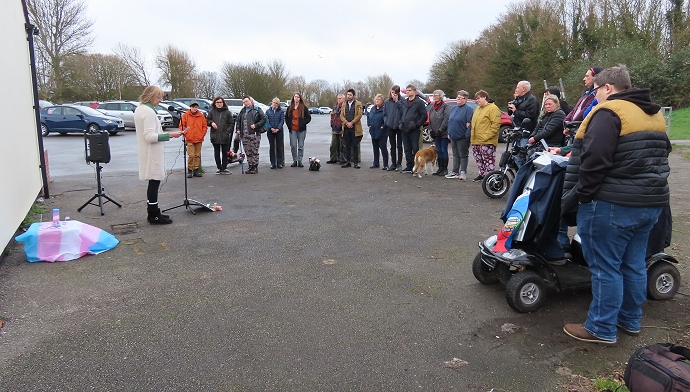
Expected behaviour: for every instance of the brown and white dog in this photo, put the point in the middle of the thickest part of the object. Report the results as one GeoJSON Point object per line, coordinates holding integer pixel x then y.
{"type": "Point", "coordinates": [422, 158]}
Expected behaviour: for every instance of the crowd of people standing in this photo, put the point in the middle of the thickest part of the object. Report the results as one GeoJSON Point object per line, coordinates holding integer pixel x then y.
{"type": "Point", "coordinates": [615, 197]}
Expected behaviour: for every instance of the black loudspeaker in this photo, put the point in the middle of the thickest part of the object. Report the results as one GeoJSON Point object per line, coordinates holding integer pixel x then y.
{"type": "Point", "coordinates": [98, 149]}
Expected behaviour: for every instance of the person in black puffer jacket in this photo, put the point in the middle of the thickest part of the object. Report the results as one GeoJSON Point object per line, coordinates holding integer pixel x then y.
{"type": "Point", "coordinates": [550, 126]}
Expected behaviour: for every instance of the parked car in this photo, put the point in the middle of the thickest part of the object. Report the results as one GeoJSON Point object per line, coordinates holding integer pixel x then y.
{"type": "Point", "coordinates": [315, 110]}
{"type": "Point", "coordinates": [179, 106]}
{"type": "Point", "coordinates": [234, 105]}
{"type": "Point", "coordinates": [44, 104]}
{"type": "Point", "coordinates": [176, 110]}
{"type": "Point", "coordinates": [283, 105]}
{"type": "Point", "coordinates": [91, 104]}
{"type": "Point", "coordinates": [74, 118]}
{"type": "Point", "coordinates": [204, 104]}
{"type": "Point", "coordinates": [125, 111]}
{"type": "Point", "coordinates": [503, 132]}
{"type": "Point", "coordinates": [325, 110]}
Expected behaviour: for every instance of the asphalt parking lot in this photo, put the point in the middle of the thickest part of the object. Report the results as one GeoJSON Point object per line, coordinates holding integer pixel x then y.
{"type": "Point", "coordinates": [335, 280]}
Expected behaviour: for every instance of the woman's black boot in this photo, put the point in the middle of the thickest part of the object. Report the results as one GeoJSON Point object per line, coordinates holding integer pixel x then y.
{"type": "Point", "coordinates": [155, 217]}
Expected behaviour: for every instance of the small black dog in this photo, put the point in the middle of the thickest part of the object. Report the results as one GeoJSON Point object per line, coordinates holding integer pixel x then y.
{"type": "Point", "coordinates": [314, 164]}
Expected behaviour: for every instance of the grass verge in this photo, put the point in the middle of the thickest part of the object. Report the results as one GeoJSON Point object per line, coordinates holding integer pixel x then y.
{"type": "Point", "coordinates": [680, 124]}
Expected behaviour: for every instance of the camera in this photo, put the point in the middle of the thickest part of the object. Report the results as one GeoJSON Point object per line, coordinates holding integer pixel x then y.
{"type": "Point", "coordinates": [513, 102]}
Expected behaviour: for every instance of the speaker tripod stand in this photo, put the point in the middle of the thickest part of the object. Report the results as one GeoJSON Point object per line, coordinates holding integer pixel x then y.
{"type": "Point", "coordinates": [187, 203]}
{"type": "Point", "coordinates": [100, 195]}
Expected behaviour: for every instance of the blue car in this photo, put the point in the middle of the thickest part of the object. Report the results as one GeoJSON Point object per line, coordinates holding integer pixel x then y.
{"type": "Point", "coordinates": [73, 118]}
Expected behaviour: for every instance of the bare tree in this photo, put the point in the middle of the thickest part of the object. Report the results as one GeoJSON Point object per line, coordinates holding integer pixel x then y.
{"type": "Point", "coordinates": [136, 62]}
{"type": "Point", "coordinates": [239, 80]}
{"type": "Point", "coordinates": [276, 78]}
{"type": "Point", "coordinates": [207, 85]}
{"type": "Point", "coordinates": [297, 84]}
{"type": "Point", "coordinates": [95, 77]}
{"type": "Point", "coordinates": [64, 31]}
{"type": "Point", "coordinates": [177, 71]}
{"type": "Point", "coordinates": [380, 84]}
{"type": "Point", "coordinates": [421, 86]}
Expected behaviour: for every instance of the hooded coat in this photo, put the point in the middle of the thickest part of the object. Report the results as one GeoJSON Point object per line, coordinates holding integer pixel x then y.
{"type": "Point", "coordinates": [486, 121]}
{"type": "Point", "coordinates": [225, 123]}
{"type": "Point", "coordinates": [197, 126]}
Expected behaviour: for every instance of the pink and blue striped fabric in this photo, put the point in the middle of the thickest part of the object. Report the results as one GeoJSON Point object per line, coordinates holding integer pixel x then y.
{"type": "Point", "coordinates": [71, 240]}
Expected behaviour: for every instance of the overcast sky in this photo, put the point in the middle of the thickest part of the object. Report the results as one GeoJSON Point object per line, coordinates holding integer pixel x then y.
{"type": "Point", "coordinates": [331, 40]}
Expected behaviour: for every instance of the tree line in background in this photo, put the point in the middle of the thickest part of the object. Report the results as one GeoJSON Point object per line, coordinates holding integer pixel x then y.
{"type": "Point", "coordinates": [540, 40]}
{"type": "Point", "coordinates": [534, 40]}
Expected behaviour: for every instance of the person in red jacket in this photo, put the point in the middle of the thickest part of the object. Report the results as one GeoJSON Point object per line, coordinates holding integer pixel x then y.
{"type": "Point", "coordinates": [193, 122]}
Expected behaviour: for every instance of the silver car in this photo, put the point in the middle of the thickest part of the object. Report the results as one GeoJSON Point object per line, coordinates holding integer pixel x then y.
{"type": "Point", "coordinates": [125, 111]}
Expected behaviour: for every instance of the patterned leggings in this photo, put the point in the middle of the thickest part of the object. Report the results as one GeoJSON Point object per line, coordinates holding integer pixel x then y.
{"type": "Point", "coordinates": [484, 155]}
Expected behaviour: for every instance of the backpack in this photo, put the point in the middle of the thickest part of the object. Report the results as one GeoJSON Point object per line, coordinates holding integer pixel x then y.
{"type": "Point", "coordinates": [267, 124]}
{"type": "Point", "coordinates": [661, 367]}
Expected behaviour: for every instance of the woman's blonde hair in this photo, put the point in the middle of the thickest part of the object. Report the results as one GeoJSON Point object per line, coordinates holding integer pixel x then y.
{"type": "Point", "coordinates": [150, 93]}
{"type": "Point", "coordinates": [554, 99]}
{"type": "Point", "coordinates": [276, 100]}
{"type": "Point", "coordinates": [379, 96]}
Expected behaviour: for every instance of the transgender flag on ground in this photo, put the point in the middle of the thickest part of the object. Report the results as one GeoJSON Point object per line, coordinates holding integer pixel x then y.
{"type": "Point", "coordinates": [71, 240]}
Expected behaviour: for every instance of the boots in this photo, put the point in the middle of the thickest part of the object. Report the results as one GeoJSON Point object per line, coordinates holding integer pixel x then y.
{"type": "Point", "coordinates": [253, 169]}
{"type": "Point", "coordinates": [190, 173]}
{"type": "Point", "coordinates": [442, 167]}
{"type": "Point", "coordinates": [197, 173]}
{"type": "Point", "coordinates": [155, 217]}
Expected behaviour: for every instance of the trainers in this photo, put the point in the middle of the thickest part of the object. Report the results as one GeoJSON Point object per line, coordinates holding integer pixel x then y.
{"type": "Point", "coordinates": [224, 171]}
{"type": "Point", "coordinates": [452, 175]}
{"type": "Point", "coordinates": [578, 331]}
{"type": "Point", "coordinates": [478, 178]}
{"type": "Point", "coordinates": [392, 168]}
{"type": "Point", "coordinates": [629, 332]}
{"type": "Point", "coordinates": [406, 170]}
{"type": "Point", "coordinates": [398, 168]}
{"type": "Point", "coordinates": [218, 171]}
{"type": "Point", "coordinates": [463, 175]}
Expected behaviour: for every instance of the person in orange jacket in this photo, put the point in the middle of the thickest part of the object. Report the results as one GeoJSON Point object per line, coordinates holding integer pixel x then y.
{"type": "Point", "coordinates": [193, 122]}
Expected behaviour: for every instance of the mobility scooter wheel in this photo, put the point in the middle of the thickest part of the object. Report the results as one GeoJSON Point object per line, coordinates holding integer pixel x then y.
{"type": "Point", "coordinates": [663, 281]}
{"type": "Point", "coordinates": [481, 271]}
{"type": "Point", "coordinates": [495, 184]}
{"type": "Point", "coordinates": [525, 291]}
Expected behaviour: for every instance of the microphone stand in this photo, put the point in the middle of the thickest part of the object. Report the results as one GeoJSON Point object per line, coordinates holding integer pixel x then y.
{"type": "Point", "coordinates": [187, 203]}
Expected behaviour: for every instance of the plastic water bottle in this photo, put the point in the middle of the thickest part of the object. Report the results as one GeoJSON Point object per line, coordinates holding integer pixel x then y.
{"type": "Point", "coordinates": [56, 217]}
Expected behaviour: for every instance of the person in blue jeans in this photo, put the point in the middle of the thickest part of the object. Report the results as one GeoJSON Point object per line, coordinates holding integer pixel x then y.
{"type": "Point", "coordinates": [412, 117]}
{"type": "Point", "coordinates": [621, 190]}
